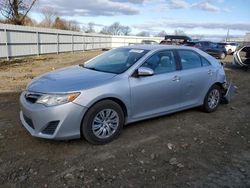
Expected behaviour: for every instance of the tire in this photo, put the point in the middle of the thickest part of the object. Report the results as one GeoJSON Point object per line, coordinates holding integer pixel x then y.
{"type": "Point", "coordinates": [103, 122]}
{"type": "Point", "coordinates": [212, 99]}
{"type": "Point", "coordinates": [222, 56]}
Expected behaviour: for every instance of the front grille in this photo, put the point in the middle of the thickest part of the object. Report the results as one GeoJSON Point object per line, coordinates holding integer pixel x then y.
{"type": "Point", "coordinates": [51, 127]}
{"type": "Point", "coordinates": [28, 121]}
{"type": "Point", "coordinates": [32, 97]}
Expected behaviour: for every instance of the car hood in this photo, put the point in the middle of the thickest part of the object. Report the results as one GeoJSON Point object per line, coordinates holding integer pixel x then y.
{"type": "Point", "coordinates": [68, 79]}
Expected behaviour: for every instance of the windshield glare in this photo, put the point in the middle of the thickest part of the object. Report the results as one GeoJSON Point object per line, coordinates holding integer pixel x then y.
{"type": "Point", "coordinates": [116, 61]}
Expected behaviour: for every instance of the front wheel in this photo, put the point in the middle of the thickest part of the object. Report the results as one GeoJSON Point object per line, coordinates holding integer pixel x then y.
{"type": "Point", "coordinates": [212, 99]}
{"type": "Point", "coordinates": [103, 122]}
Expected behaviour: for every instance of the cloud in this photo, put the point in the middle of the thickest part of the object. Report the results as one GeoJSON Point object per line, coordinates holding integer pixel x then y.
{"type": "Point", "coordinates": [178, 4]}
{"type": "Point", "coordinates": [206, 6]}
{"type": "Point", "coordinates": [190, 25]}
{"type": "Point", "coordinates": [130, 1]}
{"type": "Point", "coordinates": [92, 8]}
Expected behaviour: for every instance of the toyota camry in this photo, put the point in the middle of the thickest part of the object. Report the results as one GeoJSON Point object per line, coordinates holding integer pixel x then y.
{"type": "Point", "coordinates": [97, 98]}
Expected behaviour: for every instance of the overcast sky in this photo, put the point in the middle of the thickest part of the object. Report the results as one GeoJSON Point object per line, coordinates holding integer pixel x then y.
{"type": "Point", "coordinates": [212, 17]}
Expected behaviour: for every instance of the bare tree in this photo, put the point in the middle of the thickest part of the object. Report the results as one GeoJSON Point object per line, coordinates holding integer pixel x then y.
{"type": "Point", "coordinates": [105, 30]}
{"type": "Point", "coordinates": [72, 25]}
{"type": "Point", "coordinates": [16, 11]}
{"type": "Point", "coordinates": [49, 15]}
{"type": "Point", "coordinates": [161, 34]}
{"type": "Point", "coordinates": [179, 32]}
{"type": "Point", "coordinates": [116, 29]}
{"type": "Point", "coordinates": [126, 30]}
{"type": "Point", "coordinates": [143, 34]}
{"type": "Point", "coordinates": [197, 37]}
{"type": "Point", "coordinates": [90, 28]}
{"type": "Point", "coordinates": [59, 24]}
{"type": "Point", "coordinates": [66, 25]}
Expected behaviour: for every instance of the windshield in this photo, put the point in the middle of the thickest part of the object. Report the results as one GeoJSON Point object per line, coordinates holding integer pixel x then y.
{"type": "Point", "coordinates": [116, 61]}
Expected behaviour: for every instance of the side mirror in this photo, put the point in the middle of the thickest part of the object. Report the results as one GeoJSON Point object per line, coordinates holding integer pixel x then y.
{"type": "Point", "coordinates": [145, 71]}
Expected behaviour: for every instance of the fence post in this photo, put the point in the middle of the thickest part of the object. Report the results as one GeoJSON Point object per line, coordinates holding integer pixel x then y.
{"type": "Point", "coordinates": [7, 45]}
{"type": "Point", "coordinates": [57, 43]}
{"type": "Point", "coordinates": [38, 43]}
{"type": "Point", "coordinates": [72, 40]}
{"type": "Point", "coordinates": [83, 43]}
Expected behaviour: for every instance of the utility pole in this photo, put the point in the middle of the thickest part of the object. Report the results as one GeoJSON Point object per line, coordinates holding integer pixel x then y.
{"type": "Point", "coordinates": [227, 35]}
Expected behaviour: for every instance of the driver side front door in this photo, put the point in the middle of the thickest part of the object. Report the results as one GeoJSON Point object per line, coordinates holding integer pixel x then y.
{"type": "Point", "coordinates": [159, 93]}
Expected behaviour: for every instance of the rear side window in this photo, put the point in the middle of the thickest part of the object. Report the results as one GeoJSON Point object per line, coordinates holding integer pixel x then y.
{"type": "Point", "coordinates": [189, 59]}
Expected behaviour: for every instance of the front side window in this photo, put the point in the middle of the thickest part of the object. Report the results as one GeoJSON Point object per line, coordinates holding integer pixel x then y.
{"type": "Point", "coordinates": [189, 59]}
{"type": "Point", "coordinates": [161, 62]}
{"type": "Point", "coordinates": [116, 61]}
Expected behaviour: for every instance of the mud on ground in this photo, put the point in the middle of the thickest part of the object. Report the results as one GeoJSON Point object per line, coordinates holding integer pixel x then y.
{"type": "Point", "coordinates": [185, 149]}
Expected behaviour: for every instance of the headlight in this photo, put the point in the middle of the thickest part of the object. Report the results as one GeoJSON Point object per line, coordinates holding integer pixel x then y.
{"type": "Point", "coordinates": [57, 99]}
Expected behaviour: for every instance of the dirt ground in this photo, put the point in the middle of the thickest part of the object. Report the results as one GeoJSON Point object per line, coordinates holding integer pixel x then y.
{"type": "Point", "coordinates": [16, 74]}
{"type": "Point", "coordinates": [185, 149]}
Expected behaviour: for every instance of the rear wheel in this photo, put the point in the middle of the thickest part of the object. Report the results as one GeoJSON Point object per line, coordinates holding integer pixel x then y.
{"type": "Point", "coordinates": [103, 122]}
{"type": "Point", "coordinates": [212, 99]}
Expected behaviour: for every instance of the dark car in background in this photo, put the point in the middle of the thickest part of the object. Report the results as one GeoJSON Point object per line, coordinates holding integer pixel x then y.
{"type": "Point", "coordinates": [211, 48]}
{"type": "Point", "coordinates": [175, 40]}
{"type": "Point", "coordinates": [190, 44]}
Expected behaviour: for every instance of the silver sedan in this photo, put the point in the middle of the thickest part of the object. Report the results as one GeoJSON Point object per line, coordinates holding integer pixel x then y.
{"type": "Point", "coordinates": [95, 99]}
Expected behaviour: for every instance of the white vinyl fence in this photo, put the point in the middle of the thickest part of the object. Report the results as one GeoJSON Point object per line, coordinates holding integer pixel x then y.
{"type": "Point", "coordinates": [19, 41]}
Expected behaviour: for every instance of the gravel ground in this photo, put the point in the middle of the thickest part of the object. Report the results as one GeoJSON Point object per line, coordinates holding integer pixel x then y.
{"type": "Point", "coordinates": [185, 149]}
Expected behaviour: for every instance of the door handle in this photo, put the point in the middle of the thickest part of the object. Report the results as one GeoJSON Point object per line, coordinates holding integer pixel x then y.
{"type": "Point", "coordinates": [176, 78]}
{"type": "Point", "coordinates": [210, 72]}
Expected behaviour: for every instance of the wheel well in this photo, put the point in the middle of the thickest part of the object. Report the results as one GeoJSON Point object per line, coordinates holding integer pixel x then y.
{"type": "Point", "coordinates": [116, 100]}
{"type": "Point", "coordinates": [221, 87]}
{"type": "Point", "coordinates": [219, 84]}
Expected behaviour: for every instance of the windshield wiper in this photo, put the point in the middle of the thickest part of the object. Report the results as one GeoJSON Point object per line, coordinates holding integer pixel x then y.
{"type": "Point", "coordinates": [91, 68]}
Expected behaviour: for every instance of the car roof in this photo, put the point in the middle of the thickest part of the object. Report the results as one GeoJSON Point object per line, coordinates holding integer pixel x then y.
{"type": "Point", "coordinates": [157, 47]}
{"type": "Point", "coordinates": [184, 37]}
{"type": "Point", "coordinates": [211, 59]}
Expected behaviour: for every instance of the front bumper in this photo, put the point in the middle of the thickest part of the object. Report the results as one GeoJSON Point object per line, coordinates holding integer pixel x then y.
{"type": "Point", "coordinates": [60, 122]}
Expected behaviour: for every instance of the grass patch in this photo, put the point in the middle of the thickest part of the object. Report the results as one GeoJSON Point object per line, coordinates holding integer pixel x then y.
{"type": "Point", "coordinates": [15, 61]}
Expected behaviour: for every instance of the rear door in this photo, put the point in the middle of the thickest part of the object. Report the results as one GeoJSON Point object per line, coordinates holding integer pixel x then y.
{"type": "Point", "coordinates": [195, 77]}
